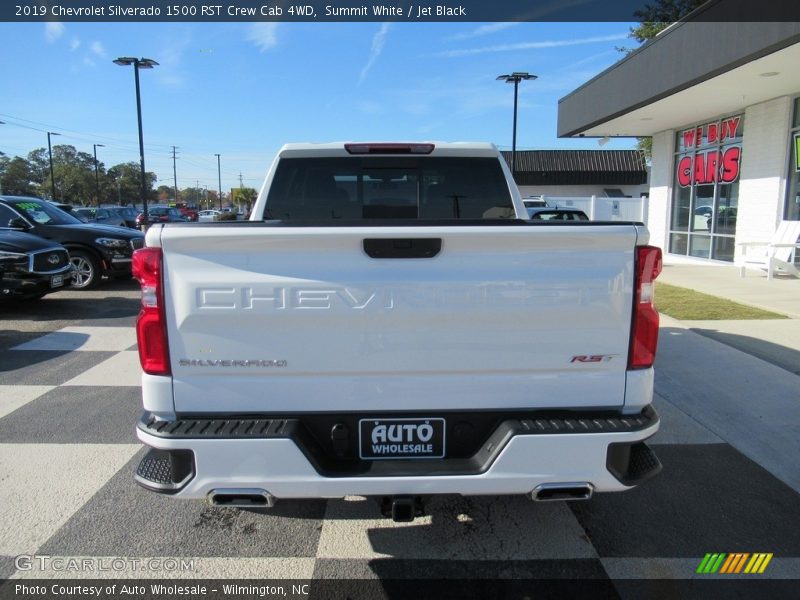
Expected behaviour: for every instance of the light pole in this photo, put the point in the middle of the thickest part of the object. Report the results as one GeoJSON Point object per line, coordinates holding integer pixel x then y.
{"type": "Point", "coordinates": [50, 154]}
{"type": "Point", "coordinates": [219, 180]}
{"type": "Point", "coordinates": [175, 173]}
{"type": "Point", "coordinates": [515, 78]}
{"type": "Point", "coordinates": [139, 63]}
{"type": "Point", "coordinates": [96, 179]}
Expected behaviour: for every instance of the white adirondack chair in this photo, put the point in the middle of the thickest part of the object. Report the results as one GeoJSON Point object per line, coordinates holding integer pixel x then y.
{"type": "Point", "coordinates": [775, 255]}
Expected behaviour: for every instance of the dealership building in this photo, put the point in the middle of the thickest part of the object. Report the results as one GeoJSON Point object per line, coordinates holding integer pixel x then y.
{"type": "Point", "coordinates": [721, 101]}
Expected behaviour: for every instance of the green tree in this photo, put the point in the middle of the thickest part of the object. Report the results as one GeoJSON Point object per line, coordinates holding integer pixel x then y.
{"type": "Point", "coordinates": [74, 175]}
{"type": "Point", "coordinates": [244, 196]}
{"type": "Point", "coordinates": [165, 193]}
{"type": "Point", "coordinates": [210, 199]}
{"type": "Point", "coordinates": [39, 164]}
{"type": "Point", "coordinates": [16, 178]}
{"type": "Point", "coordinates": [4, 160]}
{"type": "Point", "coordinates": [192, 195]}
{"type": "Point", "coordinates": [125, 178]}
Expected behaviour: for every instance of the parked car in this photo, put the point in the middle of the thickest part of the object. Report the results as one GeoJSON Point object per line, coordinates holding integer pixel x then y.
{"type": "Point", "coordinates": [69, 208]}
{"type": "Point", "coordinates": [208, 215]}
{"type": "Point", "coordinates": [128, 214]}
{"type": "Point", "coordinates": [95, 250]}
{"type": "Point", "coordinates": [162, 214]}
{"type": "Point", "coordinates": [31, 267]}
{"type": "Point", "coordinates": [556, 214]}
{"type": "Point", "coordinates": [191, 214]}
{"type": "Point", "coordinates": [535, 202]}
{"type": "Point", "coordinates": [105, 216]}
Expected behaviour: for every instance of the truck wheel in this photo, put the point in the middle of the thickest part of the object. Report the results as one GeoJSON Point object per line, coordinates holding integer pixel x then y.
{"type": "Point", "coordinates": [87, 269]}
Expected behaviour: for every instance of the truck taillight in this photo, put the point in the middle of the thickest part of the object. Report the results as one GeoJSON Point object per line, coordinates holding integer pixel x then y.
{"type": "Point", "coordinates": [151, 326]}
{"type": "Point", "coordinates": [644, 333]}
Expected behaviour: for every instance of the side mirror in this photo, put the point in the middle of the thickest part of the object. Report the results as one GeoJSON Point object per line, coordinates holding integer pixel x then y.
{"type": "Point", "coordinates": [18, 223]}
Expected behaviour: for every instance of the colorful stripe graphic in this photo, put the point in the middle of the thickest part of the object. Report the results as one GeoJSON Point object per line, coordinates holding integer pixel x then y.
{"type": "Point", "coordinates": [736, 562]}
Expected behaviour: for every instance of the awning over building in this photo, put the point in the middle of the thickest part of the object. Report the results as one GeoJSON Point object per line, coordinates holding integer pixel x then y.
{"type": "Point", "coordinates": [579, 167]}
{"type": "Point", "coordinates": [704, 66]}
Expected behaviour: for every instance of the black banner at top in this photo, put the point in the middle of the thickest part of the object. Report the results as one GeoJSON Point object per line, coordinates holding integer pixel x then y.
{"type": "Point", "coordinates": [377, 10]}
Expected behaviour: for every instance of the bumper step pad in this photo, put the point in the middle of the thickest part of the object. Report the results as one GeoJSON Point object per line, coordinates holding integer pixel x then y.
{"type": "Point", "coordinates": [165, 471]}
{"type": "Point", "coordinates": [632, 464]}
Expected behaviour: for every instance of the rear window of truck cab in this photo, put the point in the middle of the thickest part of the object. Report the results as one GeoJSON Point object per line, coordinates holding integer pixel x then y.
{"type": "Point", "coordinates": [372, 187]}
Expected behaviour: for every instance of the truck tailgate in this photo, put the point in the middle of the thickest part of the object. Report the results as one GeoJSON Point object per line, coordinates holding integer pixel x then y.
{"type": "Point", "coordinates": [294, 319]}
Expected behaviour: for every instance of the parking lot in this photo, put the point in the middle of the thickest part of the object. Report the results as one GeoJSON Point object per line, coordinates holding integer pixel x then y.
{"type": "Point", "coordinates": [69, 399]}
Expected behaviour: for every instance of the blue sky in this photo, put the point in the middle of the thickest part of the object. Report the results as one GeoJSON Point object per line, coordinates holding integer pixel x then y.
{"type": "Point", "coordinates": [244, 89]}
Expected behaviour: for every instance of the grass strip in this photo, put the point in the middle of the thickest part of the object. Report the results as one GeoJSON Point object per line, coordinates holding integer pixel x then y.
{"type": "Point", "coordinates": [687, 305]}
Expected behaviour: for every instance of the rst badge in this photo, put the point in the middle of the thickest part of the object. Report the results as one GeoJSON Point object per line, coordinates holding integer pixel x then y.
{"type": "Point", "coordinates": [401, 438]}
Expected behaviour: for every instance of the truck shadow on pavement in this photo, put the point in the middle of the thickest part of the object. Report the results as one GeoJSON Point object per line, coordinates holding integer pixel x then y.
{"type": "Point", "coordinates": [780, 356]}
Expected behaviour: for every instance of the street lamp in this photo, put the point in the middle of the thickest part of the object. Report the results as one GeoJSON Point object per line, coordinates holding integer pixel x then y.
{"type": "Point", "coordinates": [50, 153]}
{"type": "Point", "coordinates": [96, 179]}
{"type": "Point", "coordinates": [515, 78]}
{"type": "Point", "coordinates": [219, 180]}
{"type": "Point", "coordinates": [139, 63]}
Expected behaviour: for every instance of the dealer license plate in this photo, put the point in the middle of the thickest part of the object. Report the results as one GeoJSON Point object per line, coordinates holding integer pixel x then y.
{"type": "Point", "coordinates": [381, 439]}
{"type": "Point", "coordinates": [56, 281]}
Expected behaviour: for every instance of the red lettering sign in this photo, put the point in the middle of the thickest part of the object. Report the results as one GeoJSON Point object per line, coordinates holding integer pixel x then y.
{"type": "Point", "coordinates": [685, 171]}
{"type": "Point", "coordinates": [710, 167]}
{"type": "Point", "coordinates": [710, 133]}
{"type": "Point", "coordinates": [731, 164]}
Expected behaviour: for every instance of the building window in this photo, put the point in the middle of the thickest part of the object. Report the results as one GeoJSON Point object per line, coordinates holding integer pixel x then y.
{"type": "Point", "coordinates": [705, 197]}
{"type": "Point", "coordinates": [792, 211]}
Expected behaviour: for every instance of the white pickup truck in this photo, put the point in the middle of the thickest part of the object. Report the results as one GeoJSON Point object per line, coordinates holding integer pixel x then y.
{"type": "Point", "coordinates": [389, 324]}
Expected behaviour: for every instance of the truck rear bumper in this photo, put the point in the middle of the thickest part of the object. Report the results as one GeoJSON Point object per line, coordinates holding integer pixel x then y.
{"type": "Point", "coordinates": [609, 455]}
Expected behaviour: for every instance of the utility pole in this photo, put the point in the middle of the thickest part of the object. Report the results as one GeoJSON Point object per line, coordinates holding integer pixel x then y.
{"type": "Point", "coordinates": [219, 179]}
{"type": "Point", "coordinates": [96, 177]}
{"type": "Point", "coordinates": [50, 154]}
{"type": "Point", "coordinates": [175, 173]}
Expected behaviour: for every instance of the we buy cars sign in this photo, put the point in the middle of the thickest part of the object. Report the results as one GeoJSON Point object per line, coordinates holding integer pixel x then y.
{"type": "Point", "coordinates": [715, 164]}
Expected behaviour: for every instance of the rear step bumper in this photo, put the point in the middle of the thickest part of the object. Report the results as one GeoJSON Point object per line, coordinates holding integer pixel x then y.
{"type": "Point", "coordinates": [521, 457]}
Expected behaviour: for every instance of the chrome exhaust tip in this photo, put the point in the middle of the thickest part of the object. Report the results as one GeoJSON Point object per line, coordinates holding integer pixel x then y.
{"type": "Point", "coordinates": [550, 492]}
{"type": "Point", "coordinates": [241, 498]}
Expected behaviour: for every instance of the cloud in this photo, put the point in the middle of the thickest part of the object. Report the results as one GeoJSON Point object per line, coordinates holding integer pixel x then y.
{"type": "Point", "coordinates": [592, 58]}
{"type": "Point", "coordinates": [88, 61]}
{"type": "Point", "coordinates": [53, 30]}
{"type": "Point", "coordinates": [531, 45]}
{"type": "Point", "coordinates": [369, 107]}
{"type": "Point", "coordinates": [263, 35]}
{"type": "Point", "coordinates": [75, 44]}
{"type": "Point", "coordinates": [98, 49]}
{"type": "Point", "coordinates": [377, 47]}
{"type": "Point", "coordinates": [482, 30]}
{"type": "Point", "coordinates": [170, 72]}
